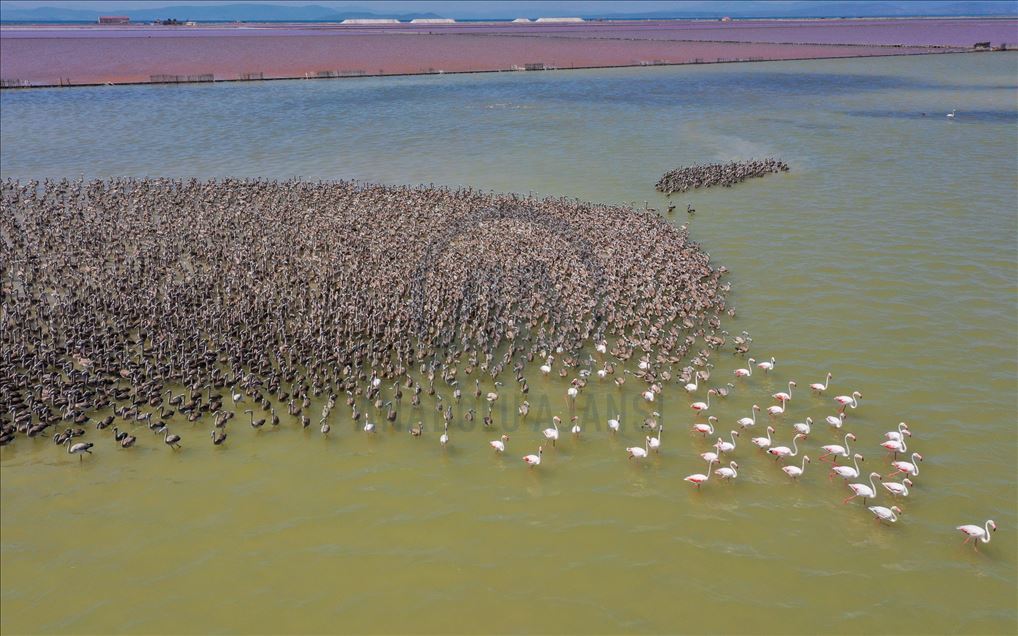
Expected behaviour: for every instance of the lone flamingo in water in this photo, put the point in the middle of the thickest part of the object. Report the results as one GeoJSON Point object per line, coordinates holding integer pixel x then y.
{"type": "Point", "coordinates": [820, 388]}
{"type": "Point", "coordinates": [977, 533]}
{"type": "Point", "coordinates": [766, 366]}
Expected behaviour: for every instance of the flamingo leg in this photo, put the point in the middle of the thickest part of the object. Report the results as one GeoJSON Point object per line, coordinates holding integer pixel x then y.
{"type": "Point", "coordinates": [848, 499]}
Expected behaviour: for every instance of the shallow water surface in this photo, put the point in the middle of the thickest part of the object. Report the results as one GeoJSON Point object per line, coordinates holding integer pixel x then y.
{"type": "Point", "coordinates": [886, 256]}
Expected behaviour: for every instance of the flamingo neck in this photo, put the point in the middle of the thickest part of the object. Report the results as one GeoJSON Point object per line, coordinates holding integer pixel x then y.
{"type": "Point", "coordinates": [795, 447]}
{"type": "Point", "coordinates": [847, 450]}
{"type": "Point", "coordinates": [986, 537]}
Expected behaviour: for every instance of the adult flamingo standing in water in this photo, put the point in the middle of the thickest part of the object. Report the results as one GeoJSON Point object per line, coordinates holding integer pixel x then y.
{"type": "Point", "coordinates": [783, 451]}
{"type": "Point", "coordinates": [837, 450]}
{"type": "Point", "coordinates": [746, 422]}
{"type": "Point", "coordinates": [775, 411]}
{"type": "Point", "coordinates": [746, 372]}
{"type": "Point", "coordinates": [847, 472]}
{"type": "Point", "coordinates": [885, 514]}
{"type": "Point", "coordinates": [796, 471]}
{"type": "Point", "coordinates": [766, 366]}
{"type": "Point", "coordinates": [763, 443]}
{"type": "Point", "coordinates": [781, 396]}
{"type": "Point", "coordinates": [862, 490]}
{"type": "Point", "coordinates": [820, 388]}
{"type": "Point", "coordinates": [726, 447]}
{"type": "Point", "coordinates": [977, 534]}
{"type": "Point", "coordinates": [909, 468]}
{"type": "Point", "coordinates": [700, 407]}
{"type": "Point", "coordinates": [699, 478]}
{"type": "Point", "coordinates": [706, 429]}
{"type": "Point", "coordinates": [898, 434]}
{"type": "Point", "coordinates": [846, 400]}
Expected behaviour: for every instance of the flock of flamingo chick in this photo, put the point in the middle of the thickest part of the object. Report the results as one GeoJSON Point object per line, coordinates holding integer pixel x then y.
{"type": "Point", "coordinates": [895, 442]}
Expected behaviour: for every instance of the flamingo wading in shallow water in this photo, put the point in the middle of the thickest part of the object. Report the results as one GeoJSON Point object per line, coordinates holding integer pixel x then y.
{"type": "Point", "coordinates": [862, 490]}
{"type": "Point", "coordinates": [909, 468]}
{"type": "Point", "coordinates": [796, 471]}
{"type": "Point", "coordinates": [783, 451]}
{"type": "Point", "coordinates": [846, 472]}
{"type": "Point", "coordinates": [706, 429]}
{"type": "Point", "coordinates": [846, 400]}
{"type": "Point", "coordinates": [837, 450]}
{"type": "Point", "coordinates": [977, 534]}
{"type": "Point", "coordinates": [700, 407]}
{"type": "Point", "coordinates": [699, 478]}
{"type": "Point", "coordinates": [820, 388]}
{"type": "Point", "coordinates": [746, 422]}
{"type": "Point", "coordinates": [767, 366]}
{"type": "Point", "coordinates": [747, 372]}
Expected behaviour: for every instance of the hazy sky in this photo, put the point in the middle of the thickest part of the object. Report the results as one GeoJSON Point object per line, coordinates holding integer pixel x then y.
{"type": "Point", "coordinates": [445, 7]}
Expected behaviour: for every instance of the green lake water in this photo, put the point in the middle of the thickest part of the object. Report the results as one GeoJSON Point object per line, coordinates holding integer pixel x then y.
{"type": "Point", "coordinates": [888, 256]}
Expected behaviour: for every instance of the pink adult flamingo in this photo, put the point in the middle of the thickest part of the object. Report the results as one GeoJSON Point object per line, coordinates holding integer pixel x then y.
{"type": "Point", "coordinates": [534, 460]}
{"type": "Point", "coordinates": [836, 420]}
{"type": "Point", "coordinates": [796, 471]}
{"type": "Point", "coordinates": [897, 489]}
{"type": "Point", "coordinates": [747, 372]}
{"type": "Point", "coordinates": [978, 534]}
{"type": "Point", "coordinates": [895, 446]}
{"type": "Point", "coordinates": [885, 514]}
{"type": "Point", "coordinates": [728, 472]}
{"type": "Point", "coordinates": [785, 397]}
{"type": "Point", "coordinates": [699, 478]}
{"type": "Point", "coordinates": [845, 400]}
{"type": "Point", "coordinates": [909, 468]}
{"type": "Point", "coordinates": [783, 451]}
{"type": "Point", "coordinates": [766, 366]}
{"type": "Point", "coordinates": [706, 429]}
{"type": "Point", "coordinates": [847, 472]}
{"type": "Point", "coordinates": [837, 450]}
{"type": "Point", "coordinates": [776, 410]}
{"type": "Point", "coordinates": [700, 407]}
{"type": "Point", "coordinates": [897, 435]}
{"type": "Point", "coordinates": [862, 490]}
{"type": "Point", "coordinates": [804, 427]}
{"type": "Point", "coordinates": [726, 447]}
{"type": "Point", "coordinates": [820, 388]}
{"type": "Point", "coordinates": [763, 442]}
{"type": "Point", "coordinates": [746, 422]}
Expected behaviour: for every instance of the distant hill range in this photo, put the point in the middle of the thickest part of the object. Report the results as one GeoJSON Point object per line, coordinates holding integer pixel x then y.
{"type": "Point", "coordinates": [316, 13]}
